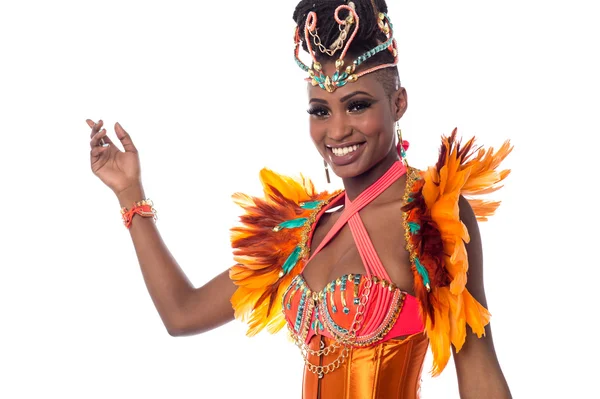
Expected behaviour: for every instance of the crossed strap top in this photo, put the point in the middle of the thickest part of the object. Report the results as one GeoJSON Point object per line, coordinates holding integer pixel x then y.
{"type": "Point", "coordinates": [356, 309]}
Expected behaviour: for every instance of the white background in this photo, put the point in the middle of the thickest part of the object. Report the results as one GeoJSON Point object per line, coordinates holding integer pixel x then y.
{"type": "Point", "coordinates": [207, 109]}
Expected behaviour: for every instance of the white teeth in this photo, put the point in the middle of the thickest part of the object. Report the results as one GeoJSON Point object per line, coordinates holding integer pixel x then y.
{"type": "Point", "coordinates": [338, 152]}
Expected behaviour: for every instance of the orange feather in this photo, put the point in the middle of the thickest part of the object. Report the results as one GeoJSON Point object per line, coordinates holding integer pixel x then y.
{"type": "Point", "coordinates": [460, 170]}
{"type": "Point", "coordinates": [260, 249]}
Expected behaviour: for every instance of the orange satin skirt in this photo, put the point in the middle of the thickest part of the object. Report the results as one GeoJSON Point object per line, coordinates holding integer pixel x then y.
{"type": "Point", "coordinates": [390, 370]}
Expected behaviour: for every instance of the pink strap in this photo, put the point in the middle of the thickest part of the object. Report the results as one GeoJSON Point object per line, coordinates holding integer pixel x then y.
{"type": "Point", "coordinates": [366, 249]}
{"type": "Point", "coordinates": [380, 298]}
{"type": "Point", "coordinates": [397, 170]}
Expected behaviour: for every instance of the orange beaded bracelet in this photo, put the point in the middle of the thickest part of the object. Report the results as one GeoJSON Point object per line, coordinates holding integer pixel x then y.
{"type": "Point", "coordinates": [144, 208]}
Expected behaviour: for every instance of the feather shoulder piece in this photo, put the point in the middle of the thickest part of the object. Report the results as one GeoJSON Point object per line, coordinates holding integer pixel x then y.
{"type": "Point", "coordinates": [436, 239]}
{"type": "Point", "coordinates": [270, 245]}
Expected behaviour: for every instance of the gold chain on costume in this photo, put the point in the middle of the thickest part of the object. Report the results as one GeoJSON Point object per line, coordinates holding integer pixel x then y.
{"type": "Point", "coordinates": [347, 339]}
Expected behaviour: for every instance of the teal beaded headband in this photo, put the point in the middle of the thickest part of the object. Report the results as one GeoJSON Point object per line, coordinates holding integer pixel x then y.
{"type": "Point", "coordinates": [342, 76]}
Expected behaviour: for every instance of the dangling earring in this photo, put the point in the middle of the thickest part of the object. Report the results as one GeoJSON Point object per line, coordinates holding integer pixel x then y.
{"type": "Point", "coordinates": [402, 145]}
{"type": "Point", "coordinates": [326, 171]}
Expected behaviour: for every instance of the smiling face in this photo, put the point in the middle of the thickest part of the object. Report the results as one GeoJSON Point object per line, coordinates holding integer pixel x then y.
{"type": "Point", "coordinates": [353, 127]}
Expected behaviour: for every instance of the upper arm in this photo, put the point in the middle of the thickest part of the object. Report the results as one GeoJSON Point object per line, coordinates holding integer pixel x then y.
{"type": "Point", "coordinates": [206, 307]}
{"type": "Point", "coordinates": [479, 373]}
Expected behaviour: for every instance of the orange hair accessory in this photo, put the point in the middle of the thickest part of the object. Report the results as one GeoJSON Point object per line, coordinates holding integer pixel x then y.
{"type": "Point", "coordinates": [144, 208]}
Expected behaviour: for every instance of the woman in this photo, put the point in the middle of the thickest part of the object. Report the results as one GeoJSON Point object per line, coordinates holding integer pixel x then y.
{"type": "Point", "coordinates": [364, 279]}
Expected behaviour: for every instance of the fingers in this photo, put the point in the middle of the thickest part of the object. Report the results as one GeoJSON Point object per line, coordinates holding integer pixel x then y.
{"type": "Point", "coordinates": [104, 140]}
{"type": "Point", "coordinates": [125, 138]}
{"type": "Point", "coordinates": [100, 139]}
{"type": "Point", "coordinates": [95, 126]}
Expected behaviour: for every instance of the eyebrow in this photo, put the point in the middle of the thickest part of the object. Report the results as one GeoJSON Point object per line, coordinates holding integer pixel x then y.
{"type": "Point", "coordinates": [343, 99]}
{"type": "Point", "coordinates": [348, 96]}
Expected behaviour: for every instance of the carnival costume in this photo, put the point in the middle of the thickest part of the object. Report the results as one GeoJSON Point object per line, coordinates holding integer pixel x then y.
{"type": "Point", "coordinates": [348, 331]}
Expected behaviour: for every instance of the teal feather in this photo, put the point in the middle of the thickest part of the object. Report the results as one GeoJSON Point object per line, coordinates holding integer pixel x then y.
{"type": "Point", "coordinates": [414, 227]}
{"type": "Point", "coordinates": [422, 271]}
{"type": "Point", "coordinates": [291, 261]}
{"type": "Point", "coordinates": [292, 224]}
{"type": "Point", "coordinates": [310, 204]}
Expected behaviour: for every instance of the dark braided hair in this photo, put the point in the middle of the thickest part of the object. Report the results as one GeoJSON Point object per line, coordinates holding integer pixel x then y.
{"type": "Point", "coordinates": [368, 36]}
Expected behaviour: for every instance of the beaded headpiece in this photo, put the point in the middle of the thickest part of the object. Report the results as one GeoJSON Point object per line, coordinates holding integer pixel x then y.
{"type": "Point", "coordinates": [342, 75]}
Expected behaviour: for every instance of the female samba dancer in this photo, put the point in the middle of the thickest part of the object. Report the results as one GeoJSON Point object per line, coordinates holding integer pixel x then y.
{"type": "Point", "coordinates": [367, 278]}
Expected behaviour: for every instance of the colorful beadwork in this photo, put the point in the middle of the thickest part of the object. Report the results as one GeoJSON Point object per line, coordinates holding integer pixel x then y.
{"type": "Point", "coordinates": [316, 302]}
{"type": "Point", "coordinates": [412, 228]}
{"type": "Point", "coordinates": [343, 295]}
{"type": "Point", "coordinates": [356, 300]}
{"type": "Point", "coordinates": [331, 297]}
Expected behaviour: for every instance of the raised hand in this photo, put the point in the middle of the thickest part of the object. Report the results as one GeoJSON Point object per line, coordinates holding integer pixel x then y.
{"type": "Point", "coordinates": [119, 170]}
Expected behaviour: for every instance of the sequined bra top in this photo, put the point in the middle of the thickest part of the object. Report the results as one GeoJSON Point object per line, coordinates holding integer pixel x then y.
{"type": "Point", "coordinates": [332, 311]}
{"type": "Point", "coordinates": [355, 309]}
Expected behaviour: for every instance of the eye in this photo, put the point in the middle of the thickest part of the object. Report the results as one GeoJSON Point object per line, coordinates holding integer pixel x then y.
{"type": "Point", "coordinates": [319, 112]}
{"type": "Point", "coordinates": [357, 106]}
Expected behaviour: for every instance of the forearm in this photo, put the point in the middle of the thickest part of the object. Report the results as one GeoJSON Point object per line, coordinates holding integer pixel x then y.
{"type": "Point", "coordinates": [493, 388]}
{"type": "Point", "coordinates": [479, 372]}
{"type": "Point", "coordinates": [167, 285]}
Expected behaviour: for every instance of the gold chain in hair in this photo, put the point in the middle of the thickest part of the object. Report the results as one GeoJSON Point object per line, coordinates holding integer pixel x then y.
{"type": "Point", "coordinates": [338, 44]}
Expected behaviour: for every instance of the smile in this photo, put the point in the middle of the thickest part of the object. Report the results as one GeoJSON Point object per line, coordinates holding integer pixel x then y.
{"type": "Point", "coordinates": [341, 151]}
{"type": "Point", "coordinates": [346, 153]}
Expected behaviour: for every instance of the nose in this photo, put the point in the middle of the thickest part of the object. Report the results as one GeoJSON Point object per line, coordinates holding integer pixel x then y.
{"type": "Point", "coordinates": [338, 128]}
